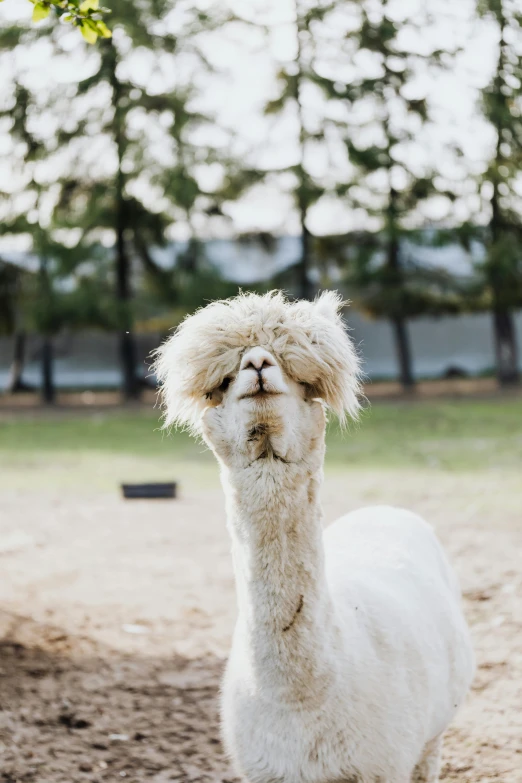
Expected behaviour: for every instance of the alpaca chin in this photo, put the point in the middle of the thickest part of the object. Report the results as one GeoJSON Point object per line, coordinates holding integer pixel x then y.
{"type": "Point", "coordinates": [264, 407]}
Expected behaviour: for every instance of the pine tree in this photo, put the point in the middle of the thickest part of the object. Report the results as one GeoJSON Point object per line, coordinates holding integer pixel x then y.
{"type": "Point", "coordinates": [502, 106]}
{"type": "Point", "coordinates": [383, 120]}
{"type": "Point", "coordinates": [127, 170]}
{"type": "Point", "coordinates": [28, 210]}
{"type": "Point", "coordinates": [296, 79]}
{"type": "Point", "coordinates": [30, 221]}
{"type": "Point", "coordinates": [134, 196]}
{"type": "Point", "coordinates": [55, 293]}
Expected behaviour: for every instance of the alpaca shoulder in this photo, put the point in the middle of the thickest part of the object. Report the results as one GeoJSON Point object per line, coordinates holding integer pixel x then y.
{"type": "Point", "coordinates": [389, 538]}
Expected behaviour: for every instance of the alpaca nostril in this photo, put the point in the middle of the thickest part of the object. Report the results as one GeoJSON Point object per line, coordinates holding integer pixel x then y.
{"type": "Point", "coordinates": [257, 359]}
{"type": "Point", "coordinates": [256, 367]}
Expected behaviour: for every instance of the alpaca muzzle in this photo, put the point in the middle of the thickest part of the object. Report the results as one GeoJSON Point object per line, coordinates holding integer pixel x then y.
{"type": "Point", "coordinates": [259, 375]}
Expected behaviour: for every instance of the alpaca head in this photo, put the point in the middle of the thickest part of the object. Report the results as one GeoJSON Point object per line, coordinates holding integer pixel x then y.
{"type": "Point", "coordinates": [260, 369]}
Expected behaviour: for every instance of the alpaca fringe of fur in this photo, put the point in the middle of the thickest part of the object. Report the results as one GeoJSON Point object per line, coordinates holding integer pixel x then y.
{"type": "Point", "coordinates": [309, 339]}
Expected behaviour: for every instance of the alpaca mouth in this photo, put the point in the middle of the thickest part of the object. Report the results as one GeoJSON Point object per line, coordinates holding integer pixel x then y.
{"type": "Point", "coordinates": [260, 393]}
{"type": "Point", "coordinates": [262, 386]}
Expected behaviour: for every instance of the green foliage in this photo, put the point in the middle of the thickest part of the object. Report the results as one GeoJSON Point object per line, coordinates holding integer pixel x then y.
{"type": "Point", "coordinates": [84, 14]}
{"type": "Point", "coordinates": [140, 194]}
{"type": "Point", "coordinates": [101, 205]}
{"type": "Point", "coordinates": [410, 290]}
{"type": "Point", "coordinates": [383, 183]}
{"type": "Point", "coordinates": [501, 273]}
{"type": "Point", "coordinates": [58, 293]}
{"type": "Point", "coordinates": [375, 272]}
{"type": "Point", "coordinates": [293, 79]}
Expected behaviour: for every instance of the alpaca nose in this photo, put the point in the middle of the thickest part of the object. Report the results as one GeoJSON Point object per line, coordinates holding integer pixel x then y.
{"type": "Point", "coordinates": [257, 359]}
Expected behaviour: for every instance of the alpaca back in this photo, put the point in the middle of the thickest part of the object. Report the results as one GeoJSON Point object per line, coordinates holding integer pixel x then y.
{"type": "Point", "coordinates": [390, 538]}
{"type": "Point", "coordinates": [397, 601]}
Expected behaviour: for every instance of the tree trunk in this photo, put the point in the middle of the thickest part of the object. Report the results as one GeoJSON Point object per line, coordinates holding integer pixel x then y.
{"type": "Point", "coordinates": [506, 349]}
{"type": "Point", "coordinates": [127, 346]}
{"type": "Point", "coordinates": [403, 349]}
{"type": "Point", "coordinates": [48, 389]}
{"type": "Point", "coordinates": [398, 322]}
{"type": "Point", "coordinates": [303, 202]}
{"type": "Point", "coordinates": [130, 381]}
{"type": "Point", "coordinates": [304, 283]}
{"type": "Point", "coordinates": [15, 383]}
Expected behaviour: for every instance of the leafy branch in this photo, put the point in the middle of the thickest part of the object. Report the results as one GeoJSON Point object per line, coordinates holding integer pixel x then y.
{"type": "Point", "coordinates": [85, 14]}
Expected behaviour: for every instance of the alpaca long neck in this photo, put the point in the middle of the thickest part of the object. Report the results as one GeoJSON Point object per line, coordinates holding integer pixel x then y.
{"type": "Point", "coordinates": [285, 614]}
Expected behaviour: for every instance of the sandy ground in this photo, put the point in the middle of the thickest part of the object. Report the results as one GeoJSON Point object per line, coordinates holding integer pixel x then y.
{"type": "Point", "coordinates": [115, 619]}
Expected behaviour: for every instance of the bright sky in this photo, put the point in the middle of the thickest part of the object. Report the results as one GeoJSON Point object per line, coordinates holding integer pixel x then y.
{"type": "Point", "coordinates": [248, 63]}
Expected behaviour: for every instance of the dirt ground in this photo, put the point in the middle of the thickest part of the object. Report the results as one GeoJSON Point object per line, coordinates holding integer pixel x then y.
{"type": "Point", "coordinates": [115, 619]}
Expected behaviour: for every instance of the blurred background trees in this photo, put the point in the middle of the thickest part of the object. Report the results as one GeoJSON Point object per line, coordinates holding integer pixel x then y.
{"type": "Point", "coordinates": [501, 186]}
{"type": "Point", "coordinates": [102, 199]}
{"type": "Point", "coordinates": [126, 160]}
{"type": "Point", "coordinates": [125, 170]}
{"type": "Point", "coordinates": [391, 182]}
{"type": "Point", "coordinates": [296, 77]}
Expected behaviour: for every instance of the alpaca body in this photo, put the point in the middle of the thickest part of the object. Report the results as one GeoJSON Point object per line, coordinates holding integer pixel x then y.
{"type": "Point", "coordinates": [374, 664]}
{"type": "Point", "coordinates": [350, 654]}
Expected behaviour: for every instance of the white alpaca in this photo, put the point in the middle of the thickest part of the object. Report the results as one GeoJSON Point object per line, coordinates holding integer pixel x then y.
{"type": "Point", "coordinates": [350, 655]}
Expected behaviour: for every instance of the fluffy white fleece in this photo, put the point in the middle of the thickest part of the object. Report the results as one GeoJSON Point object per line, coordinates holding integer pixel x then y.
{"type": "Point", "coordinates": [351, 654]}
{"type": "Point", "coordinates": [308, 339]}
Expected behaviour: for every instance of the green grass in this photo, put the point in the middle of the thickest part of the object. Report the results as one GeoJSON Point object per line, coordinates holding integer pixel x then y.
{"type": "Point", "coordinates": [122, 432]}
{"type": "Point", "coordinates": [461, 435]}
{"type": "Point", "coordinates": [92, 451]}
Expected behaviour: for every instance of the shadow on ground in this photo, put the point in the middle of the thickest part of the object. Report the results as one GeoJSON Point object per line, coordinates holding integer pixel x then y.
{"type": "Point", "coordinates": [73, 711]}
